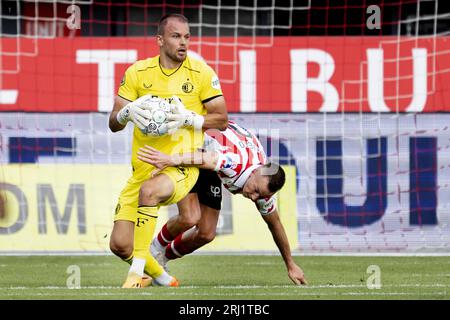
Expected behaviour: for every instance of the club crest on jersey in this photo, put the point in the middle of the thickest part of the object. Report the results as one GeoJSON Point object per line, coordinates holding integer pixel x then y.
{"type": "Point", "coordinates": [187, 87]}
{"type": "Point", "coordinates": [122, 82]}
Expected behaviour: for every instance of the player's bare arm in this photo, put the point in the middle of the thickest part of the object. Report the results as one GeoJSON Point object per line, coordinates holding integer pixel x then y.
{"type": "Point", "coordinates": [119, 103]}
{"type": "Point", "coordinates": [202, 160]}
{"type": "Point", "coordinates": [295, 273]}
{"type": "Point", "coordinates": [217, 116]}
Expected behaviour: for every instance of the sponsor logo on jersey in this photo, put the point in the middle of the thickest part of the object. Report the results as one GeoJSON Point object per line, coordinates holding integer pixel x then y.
{"type": "Point", "coordinates": [265, 205]}
{"type": "Point", "coordinates": [229, 163]}
{"type": "Point", "coordinates": [215, 83]}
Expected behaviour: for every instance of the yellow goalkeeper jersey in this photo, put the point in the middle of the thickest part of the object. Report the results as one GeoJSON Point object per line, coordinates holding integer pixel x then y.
{"type": "Point", "coordinates": [194, 82]}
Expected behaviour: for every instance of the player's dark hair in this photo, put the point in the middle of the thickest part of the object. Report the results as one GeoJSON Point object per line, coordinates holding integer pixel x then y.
{"type": "Point", "coordinates": [276, 174]}
{"type": "Point", "coordinates": [165, 19]}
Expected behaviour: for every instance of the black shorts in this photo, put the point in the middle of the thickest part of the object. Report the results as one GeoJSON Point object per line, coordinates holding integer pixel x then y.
{"type": "Point", "coordinates": [209, 189]}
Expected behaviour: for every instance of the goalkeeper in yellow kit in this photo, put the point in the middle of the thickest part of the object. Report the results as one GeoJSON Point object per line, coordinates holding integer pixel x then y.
{"type": "Point", "coordinates": [202, 105]}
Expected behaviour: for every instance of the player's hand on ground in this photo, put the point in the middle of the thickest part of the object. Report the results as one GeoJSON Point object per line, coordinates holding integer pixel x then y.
{"type": "Point", "coordinates": [181, 117]}
{"type": "Point", "coordinates": [137, 112]}
{"type": "Point", "coordinates": [297, 275]}
{"type": "Point", "coordinates": [156, 158]}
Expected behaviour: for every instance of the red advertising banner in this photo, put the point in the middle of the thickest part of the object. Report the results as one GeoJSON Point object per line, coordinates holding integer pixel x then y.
{"type": "Point", "coordinates": [282, 74]}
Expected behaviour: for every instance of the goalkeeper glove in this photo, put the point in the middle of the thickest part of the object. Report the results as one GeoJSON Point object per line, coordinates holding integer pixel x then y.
{"type": "Point", "coordinates": [181, 117]}
{"type": "Point", "coordinates": [137, 111]}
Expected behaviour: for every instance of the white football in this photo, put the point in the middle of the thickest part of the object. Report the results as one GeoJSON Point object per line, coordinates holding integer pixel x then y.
{"type": "Point", "coordinates": [159, 109]}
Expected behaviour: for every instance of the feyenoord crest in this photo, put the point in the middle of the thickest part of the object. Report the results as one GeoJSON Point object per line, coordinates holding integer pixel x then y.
{"type": "Point", "coordinates": [187, 87]}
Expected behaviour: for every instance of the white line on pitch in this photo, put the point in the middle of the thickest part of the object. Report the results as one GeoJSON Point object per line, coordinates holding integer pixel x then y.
{"type": "Point", "coordinates": [279, 294]}
{"type": "Point", "coordinates": [244, 287]}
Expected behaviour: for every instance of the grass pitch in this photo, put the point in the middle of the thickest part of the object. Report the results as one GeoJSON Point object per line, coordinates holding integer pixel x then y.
{"type": "Point", "coordinates": [229, 277]}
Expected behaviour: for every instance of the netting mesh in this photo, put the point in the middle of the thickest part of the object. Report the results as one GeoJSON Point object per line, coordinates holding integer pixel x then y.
{"type": "Point", "coordinates": [346, 93]}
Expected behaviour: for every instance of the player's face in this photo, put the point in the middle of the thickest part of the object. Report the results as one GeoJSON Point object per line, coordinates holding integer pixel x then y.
{"type": "Point", "coordinates": [174, 42]}
{"type": "Point", "coordinates": [256, 187]}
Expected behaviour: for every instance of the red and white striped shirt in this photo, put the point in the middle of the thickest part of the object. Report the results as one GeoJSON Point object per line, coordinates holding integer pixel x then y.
{"type": "Point", "coordinates": [240, 153]}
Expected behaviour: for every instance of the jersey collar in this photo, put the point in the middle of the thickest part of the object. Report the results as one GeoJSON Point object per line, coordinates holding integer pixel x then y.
{"type": "Point", "coordinates": [161, 67]}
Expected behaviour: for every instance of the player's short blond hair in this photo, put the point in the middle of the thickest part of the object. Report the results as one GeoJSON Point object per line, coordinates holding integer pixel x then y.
{"type": "Point", "coordinates": [165, 19]}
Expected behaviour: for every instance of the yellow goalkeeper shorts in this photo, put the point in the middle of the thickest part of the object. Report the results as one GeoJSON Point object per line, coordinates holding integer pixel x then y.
{"type": "Point", "coordinates": [183, 178]}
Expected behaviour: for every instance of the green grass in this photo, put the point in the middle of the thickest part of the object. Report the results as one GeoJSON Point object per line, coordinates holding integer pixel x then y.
{"type": "Point", "coordinates": [229, 277]}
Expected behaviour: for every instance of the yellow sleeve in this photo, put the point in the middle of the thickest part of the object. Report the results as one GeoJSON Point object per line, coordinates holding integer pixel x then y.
{"type": "Point", "coordinates": [210, 85]}
{"type": "Point", "coordinates": [128, 85]}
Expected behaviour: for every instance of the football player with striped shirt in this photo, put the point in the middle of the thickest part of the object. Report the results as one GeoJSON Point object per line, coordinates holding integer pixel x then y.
{"type": "Point", "coordinates": [171, 75]}
{"type": "Point", "coordinates": [235, 158]}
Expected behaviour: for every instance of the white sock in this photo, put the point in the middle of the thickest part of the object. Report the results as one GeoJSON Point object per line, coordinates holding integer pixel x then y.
{"type": "Point", "coordinates": [164, 279]}
{"type": "Point", "coordinates": [165, 259]}
{"type": "Point", "coordinates": [137, 266]}
{"type": "Point", "coordinates": [156, 247]}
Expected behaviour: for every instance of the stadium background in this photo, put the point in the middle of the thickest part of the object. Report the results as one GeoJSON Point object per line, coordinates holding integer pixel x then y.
{"type": "Point", "coordinates": [357, 115]}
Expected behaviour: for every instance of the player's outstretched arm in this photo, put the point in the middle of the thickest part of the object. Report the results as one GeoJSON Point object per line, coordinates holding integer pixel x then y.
{"type": "Point", "coordinates": [295, 273]}
{"type": "Point", "coordinates": [203, 160]}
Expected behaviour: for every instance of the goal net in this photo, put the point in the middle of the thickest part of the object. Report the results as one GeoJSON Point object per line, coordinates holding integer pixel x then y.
{"type": "Point", "coordinates": [351, 97]}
